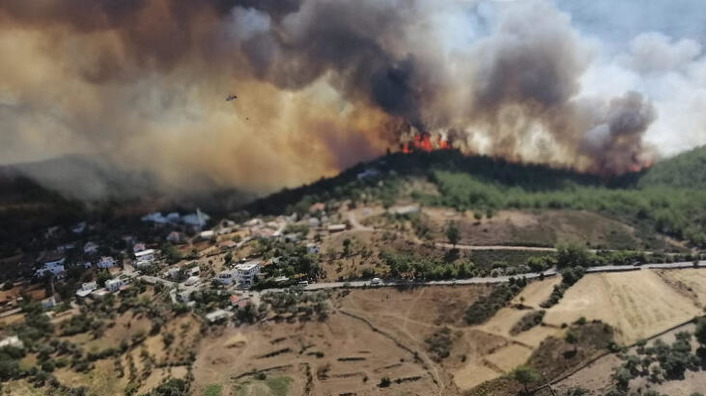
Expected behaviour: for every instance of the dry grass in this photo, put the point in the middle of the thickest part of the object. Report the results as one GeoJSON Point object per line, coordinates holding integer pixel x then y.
{"type": "Point", "coordinates": [637, 304]}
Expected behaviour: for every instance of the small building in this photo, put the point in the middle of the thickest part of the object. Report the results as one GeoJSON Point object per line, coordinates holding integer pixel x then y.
{"type": "Point", "coordinates": [192, 280]}
{"type": "Point", "coordinates": [208, 234]}
{"type": "Point", "coordinates": [193, 271]}
{"type": "Point", "coordinates": [11, 341]}
{"type": "Point", "coordinates": [247, 272]}
{"type": "Point", "coordinates": [114, 285]}
{"type": "Point", "coordinates": [138, 247]}
{"type": "Point", "coordinates": [90, 248]}
{"type": "Point", "coordinates": [144, 258]}
{"type": "Point", "coordinates": [51, 265]}
{"type": "Point", "coordinates": [106, 262]}
{"type": "Point", "coordinates": [333, 228]}
{"type": "Point", "coordinates": [218, 315]}
{"type": "Point", "coordinates": [86, 289]}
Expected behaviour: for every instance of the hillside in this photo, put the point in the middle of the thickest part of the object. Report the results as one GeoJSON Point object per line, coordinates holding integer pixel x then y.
{"type": "Point", "coordinates": [487, 185]}
{"type": "Point", "coordinates": [686, 170]}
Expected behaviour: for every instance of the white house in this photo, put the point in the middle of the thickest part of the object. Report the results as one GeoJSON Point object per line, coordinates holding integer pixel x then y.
{"type": "Point", "coordinates": [218, 315]}
{"type": "Point", "coordinates": [106, 262]}
{"type": "Point", "coordinates": [53, 266]}
{"type": "Point", "coordinates": [90, 248]}
{"type": "Point", "coordinates": [336, 228]}
{"type": "Point", "coordinates": [209, 234]}
{"type": "Point", "coordinates": [144, 258]}
{"type": "Point", "coordinates": [12, 341]}
{"type": "Point", "coordinates": [246, 273]}
{"type": "Point", "coordinates": [86, 289]}
{"type": "Point", "coordinates": [113, 285]}
{"type": "Point", "coordinates": [192, 280]}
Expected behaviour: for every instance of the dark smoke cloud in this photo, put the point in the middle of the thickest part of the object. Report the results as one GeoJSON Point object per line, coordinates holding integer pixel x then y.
{"type": "Point", "coordinates": [143, 82]}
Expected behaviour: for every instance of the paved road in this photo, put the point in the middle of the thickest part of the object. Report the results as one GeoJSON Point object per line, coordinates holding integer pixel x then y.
{"type": "Point", "coordinates": [495, 280]}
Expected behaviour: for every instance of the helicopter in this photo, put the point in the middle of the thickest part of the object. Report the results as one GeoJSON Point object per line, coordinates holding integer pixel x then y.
{"type": "Point", "coordinates": [231, 97]}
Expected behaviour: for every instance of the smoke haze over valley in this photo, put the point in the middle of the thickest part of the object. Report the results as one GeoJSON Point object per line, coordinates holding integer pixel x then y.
{"type": "Point", "coordinates": [141, 85]}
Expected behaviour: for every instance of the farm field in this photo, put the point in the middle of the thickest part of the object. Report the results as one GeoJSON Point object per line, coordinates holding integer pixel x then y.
{"type": "Point", "coordinates": [637, 304]}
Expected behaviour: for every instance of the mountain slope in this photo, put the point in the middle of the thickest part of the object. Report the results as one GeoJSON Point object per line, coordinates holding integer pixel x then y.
{"type": "Point", "coordinates": [686, 170]}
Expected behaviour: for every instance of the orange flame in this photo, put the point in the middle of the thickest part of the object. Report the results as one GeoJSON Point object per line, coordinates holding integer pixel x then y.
{"type": "Point", "coordinates": [423, 142]}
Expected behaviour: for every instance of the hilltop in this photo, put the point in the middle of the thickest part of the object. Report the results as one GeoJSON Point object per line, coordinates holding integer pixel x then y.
{"type": "Point", "coordinates": [658, 200]}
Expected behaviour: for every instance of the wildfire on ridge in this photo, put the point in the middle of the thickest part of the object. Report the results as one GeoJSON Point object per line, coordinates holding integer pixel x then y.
{"type": "Point", "coordinates": [423, 142]}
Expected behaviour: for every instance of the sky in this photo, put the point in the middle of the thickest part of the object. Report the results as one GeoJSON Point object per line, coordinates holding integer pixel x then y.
{"type": "Point", "coordinates": [601, 86]}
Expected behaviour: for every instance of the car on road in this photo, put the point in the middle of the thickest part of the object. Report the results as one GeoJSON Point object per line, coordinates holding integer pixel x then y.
{"type": "Point", "coordinates": [375, 281]}
{"type": "Point", "coordinates": [303, 283]}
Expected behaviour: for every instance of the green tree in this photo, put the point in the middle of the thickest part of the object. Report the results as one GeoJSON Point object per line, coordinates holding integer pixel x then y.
{"type": "Point", "coordinates": [525, 375]}
{"type": "Point", "coordinates": [452, 233]}
{"type": "Point", "coordinates": [572, 339]}
{"type": "Point", "coordinates": [700, 332]}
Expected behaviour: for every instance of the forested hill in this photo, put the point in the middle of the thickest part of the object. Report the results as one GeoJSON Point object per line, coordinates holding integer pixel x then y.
{"type": "Point", "coordinates": [663, 201]}
{"type": "Point", "coordinates": [687, 170]}
{"type": "Point", "coordinates": [495, 171]}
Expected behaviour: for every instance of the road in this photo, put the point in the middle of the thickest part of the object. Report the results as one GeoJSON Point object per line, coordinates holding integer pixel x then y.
{"type": "Point", "coordinates": [494, 280]}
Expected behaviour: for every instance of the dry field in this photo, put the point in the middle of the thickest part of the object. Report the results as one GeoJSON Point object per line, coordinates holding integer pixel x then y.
{"type": "Point", "coordinates": [545, 228]}
{"type": "Point", "coordinates": [340, 355]}
{"type": "Point", "coordinates": [637, 304]}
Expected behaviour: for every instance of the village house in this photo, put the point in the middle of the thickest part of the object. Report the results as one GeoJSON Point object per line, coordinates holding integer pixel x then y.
{"type": "Point", "coordinates": [11, 341]}
{"type": "Point", "coordinates": [334, 228]}
{"type": "Point", "coordinates": [51, 265]}
{"type": "Point", "coordinates": [106, 262]}
{"type": "Point", "coordinates": [114, 285]}
{"type": "Point", "coordinates": [138, 247]}
{"type": "Point", "coordinates": [90, 248]}
{"type": "Point", "coordinates": [218, 315]}
{"type": "Point", "coordinates": [246, 273]}
{"type": "Point", "coordinates": [86, 289]}
{"type": "Point", "coordinates": [144, 258]}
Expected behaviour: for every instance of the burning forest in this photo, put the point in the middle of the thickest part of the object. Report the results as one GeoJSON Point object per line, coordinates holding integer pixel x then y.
{"type": "Point", "coordinates": [324, 84]}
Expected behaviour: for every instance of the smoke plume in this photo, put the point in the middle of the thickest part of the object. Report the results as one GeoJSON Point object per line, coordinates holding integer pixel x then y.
{"type": "Point", "coordinates": [323, 84]}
